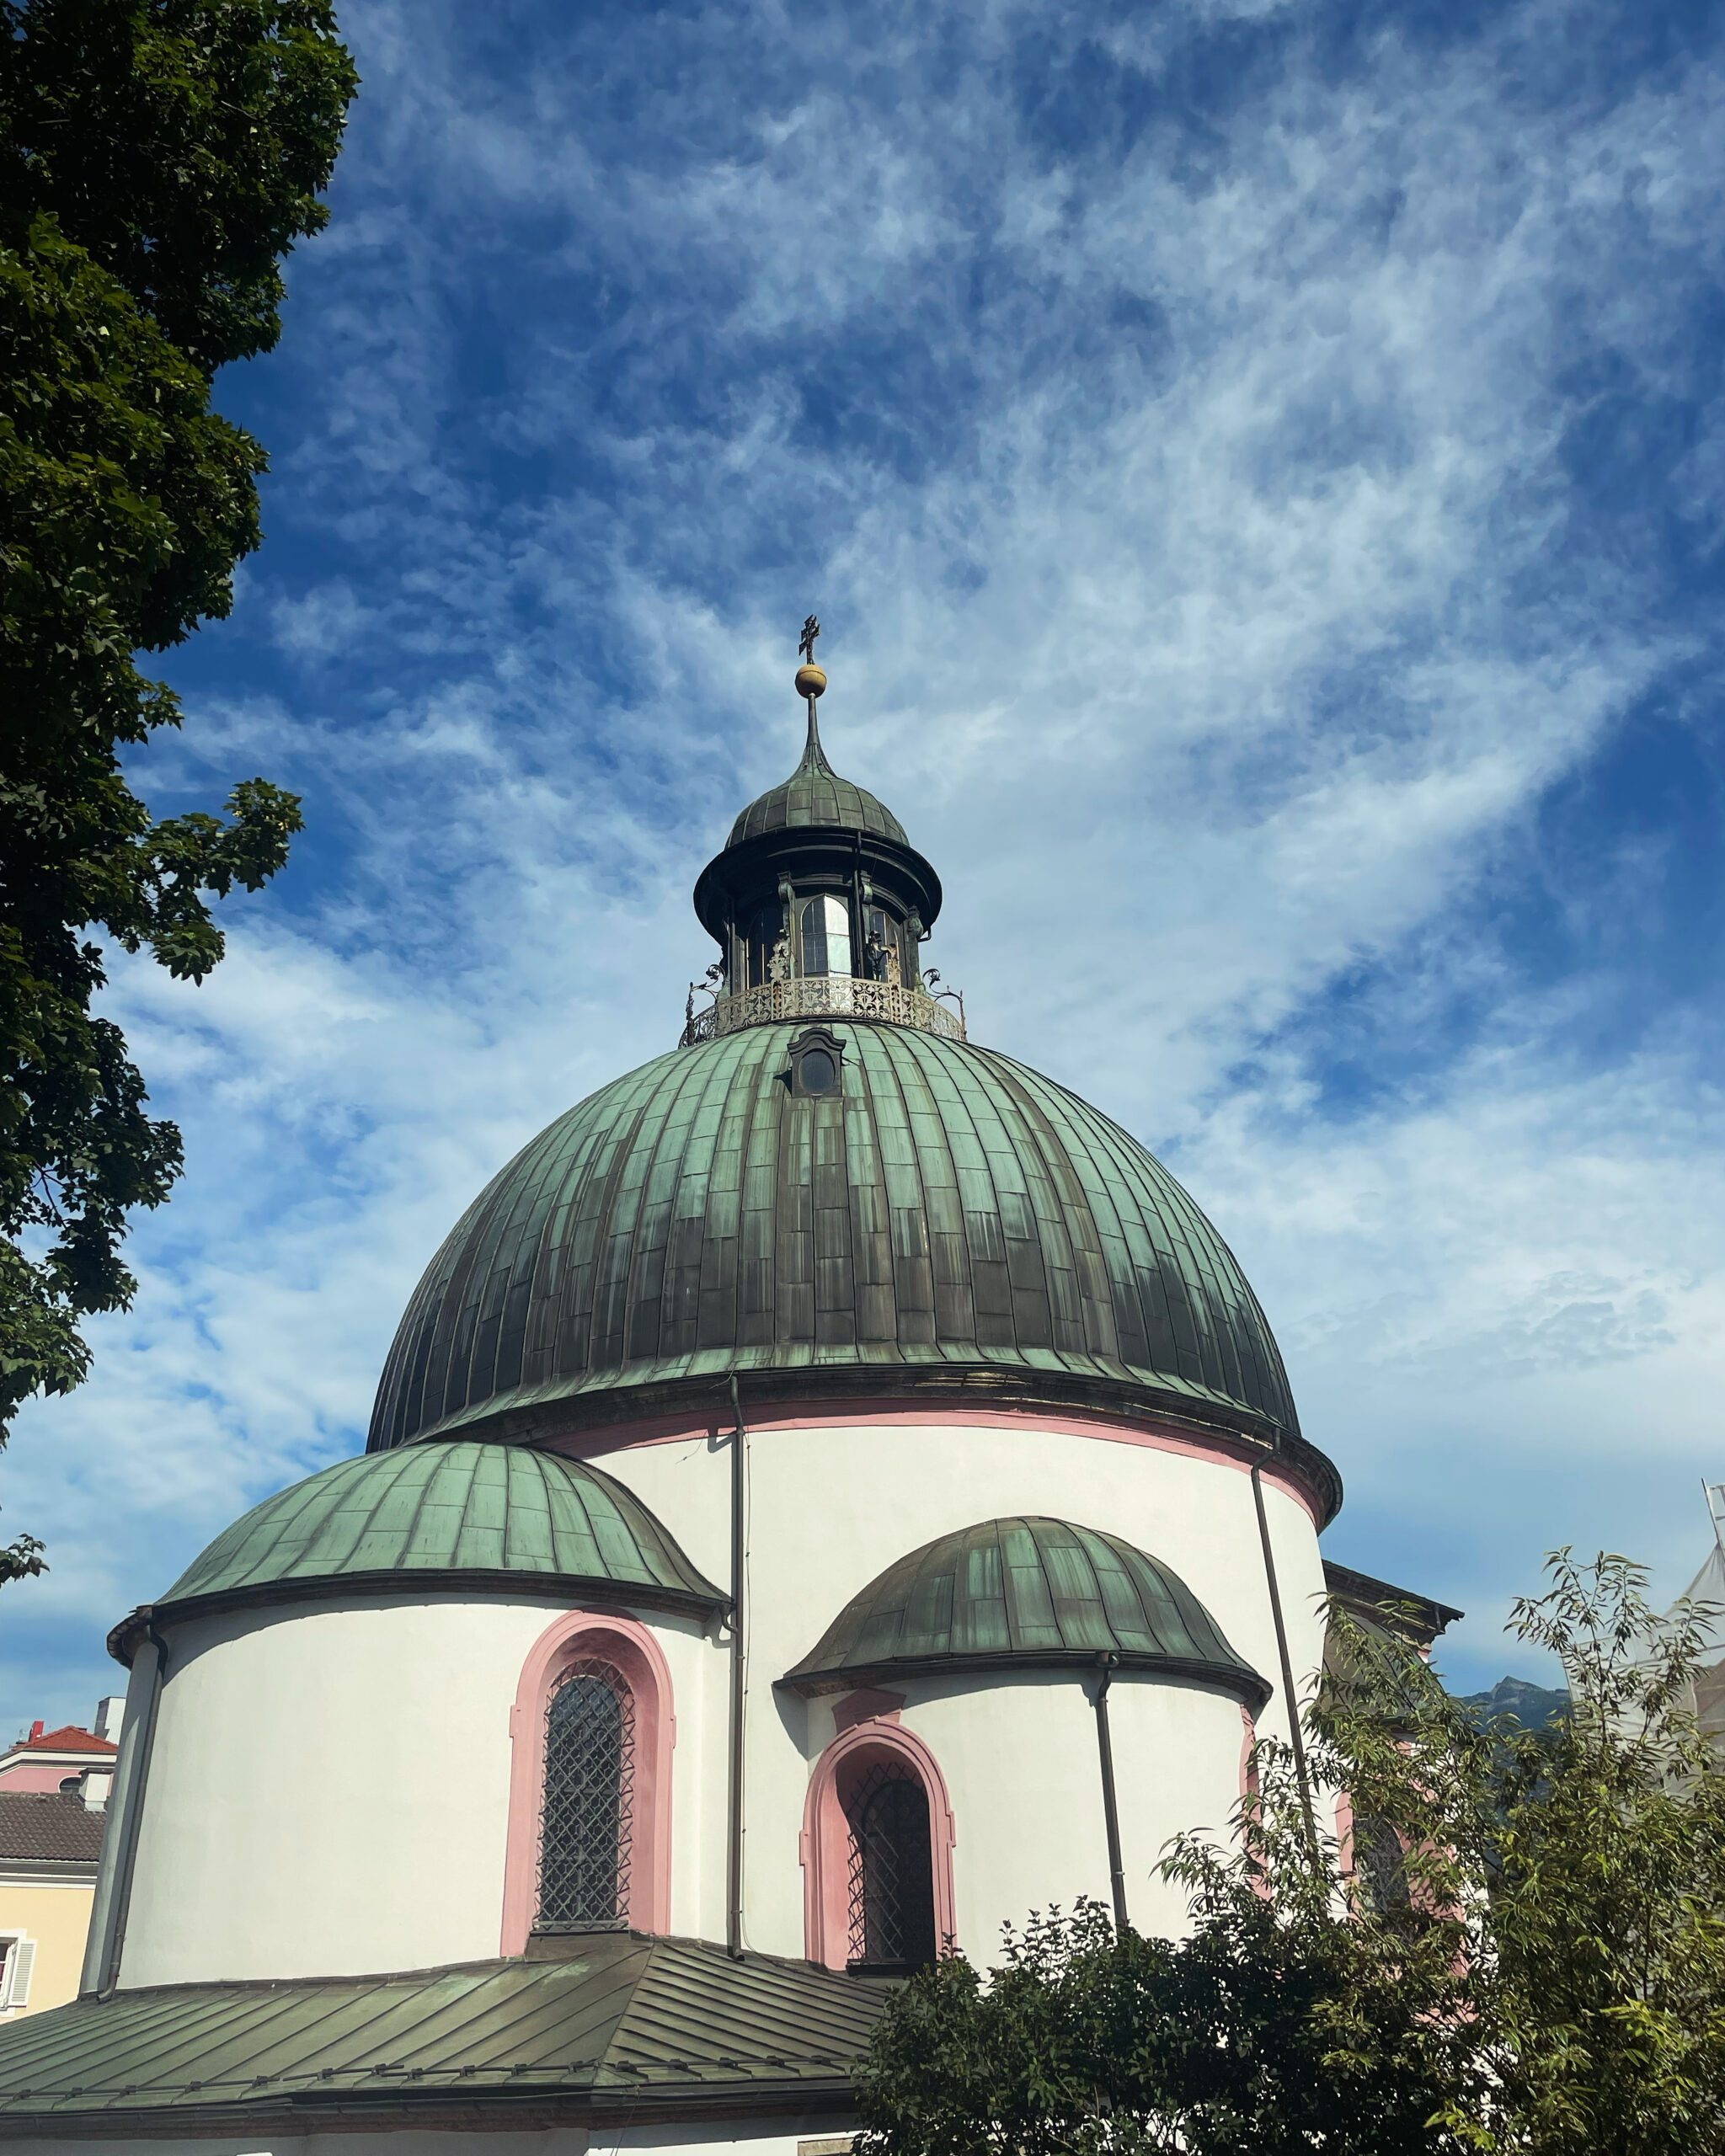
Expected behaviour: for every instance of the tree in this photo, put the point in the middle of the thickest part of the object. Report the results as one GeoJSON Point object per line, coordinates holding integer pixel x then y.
{"type": "Point", "coordinates": [157, 158]}
{"type": "Point", "coordinates": [1518, 1944]}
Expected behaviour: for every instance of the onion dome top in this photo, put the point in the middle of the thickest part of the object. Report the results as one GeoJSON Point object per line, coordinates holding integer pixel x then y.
{"type": "Point", "coordinates": [815, 797]}
{"type": "Point", "coordinates": [941, 1219]}
{"type": "Point", "coordinates": [1024, 1593]}
{"type": "Point", "coordinates": [484, 1514]}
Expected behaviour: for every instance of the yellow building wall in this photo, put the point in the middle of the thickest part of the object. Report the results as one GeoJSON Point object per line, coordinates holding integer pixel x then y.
{"type": "Point", "coordinates": [56, 1918]}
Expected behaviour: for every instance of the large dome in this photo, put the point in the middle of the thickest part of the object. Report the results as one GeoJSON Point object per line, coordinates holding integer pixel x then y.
{"type": "Point", "coordinates": [951, 1221]}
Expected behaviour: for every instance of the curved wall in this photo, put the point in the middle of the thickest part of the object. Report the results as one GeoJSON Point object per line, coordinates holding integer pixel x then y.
{"type": "Point", "coordinates": [329, 1787]}
{"type": "Point", "coordinates": [832, 1504]}
{"type": "Point", "coordinates": [329, 1790]}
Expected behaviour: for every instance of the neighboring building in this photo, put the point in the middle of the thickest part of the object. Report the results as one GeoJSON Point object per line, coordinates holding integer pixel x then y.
{"type": "Point", "coordinates": [54, 1788]}
{"type": "Point", "coordinates": [1708, 1587]}
{"type": "Point", "coordinates": [792, 1466]}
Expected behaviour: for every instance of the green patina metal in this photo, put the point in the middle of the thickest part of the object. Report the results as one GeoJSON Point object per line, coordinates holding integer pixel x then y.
{"type": "Point", "coordinates": [457, 1507]}
{"type": "Point", "coordinates": [1026, 1592]}
{"type": "Point", "coordinates": [815, 796]}
{"type": "Point", "coordinates": [626, 2023]}
{"type": "Point", "coordinates": [949, 1216]}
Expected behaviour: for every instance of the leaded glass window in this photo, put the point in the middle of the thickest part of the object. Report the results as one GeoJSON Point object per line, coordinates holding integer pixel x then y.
{"type": "Point", "coordinates": [892, 1871]}
{"type": "Point", "coordinates": [589, 1780]}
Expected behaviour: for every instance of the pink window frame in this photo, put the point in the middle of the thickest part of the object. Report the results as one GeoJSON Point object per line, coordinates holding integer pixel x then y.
{"type": "Point", "coordinates": [825, 1843]}
{"type": "Point", "coordinates": [630, 1649]}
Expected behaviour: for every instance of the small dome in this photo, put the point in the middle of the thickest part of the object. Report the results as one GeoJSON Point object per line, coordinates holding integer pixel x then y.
{"type": "Point", "coordinates": [815, 797]}
{"type": "Point", "coordinates": [1024, 1594]}
{"type": "Point", "coordinates": [462, 1508]}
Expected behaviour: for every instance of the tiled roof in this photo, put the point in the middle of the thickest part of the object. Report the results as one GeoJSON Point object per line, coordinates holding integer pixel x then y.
{"type": "Point", "coordinates": [48, 1828]}
{"type": "Point", "coordinates": [457, 1506]}
{"type": "Point", "coordinates": [951, 1213]}
{"type": "Point", "coordinates": [627, 2023]}
{"type": "Point", "coordinates": [61, 1740]}
{"type": "Point", "coordinates": [1032, 1592]}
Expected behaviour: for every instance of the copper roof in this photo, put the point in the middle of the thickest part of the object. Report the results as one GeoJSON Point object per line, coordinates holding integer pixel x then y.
{"type": "Point", "coordinates": [1024, 1592]}
{"type": "Point", "coordinates": [815, 797]}
{"type": "Point", "coordinates": [453, 1509]}
{"type": "Point", "coordinates": [951, 1216]}
{"type": "Point", "coordinates": [625, 2024]}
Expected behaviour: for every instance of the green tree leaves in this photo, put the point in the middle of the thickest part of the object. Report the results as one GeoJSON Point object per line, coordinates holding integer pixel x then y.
{"type": "Point", "coordinates": [1545, 1976]}
{"type": "Point", "coordinates": [156, 157]}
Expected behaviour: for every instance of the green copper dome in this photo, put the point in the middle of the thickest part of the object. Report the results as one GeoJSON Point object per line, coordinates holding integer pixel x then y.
{"type": "Point", "coordinates": [815, 797]}
{"type": "Point", "coordinates": [1024, 1593]}
{"type": "Point", "coordinates": [946, 1220]}
{"type": "Point", "coordinates": [461, 1507]}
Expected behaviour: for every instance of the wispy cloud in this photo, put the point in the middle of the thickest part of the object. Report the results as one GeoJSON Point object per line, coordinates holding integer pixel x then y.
{"type": "Point", "coordinates": [1253, 468]}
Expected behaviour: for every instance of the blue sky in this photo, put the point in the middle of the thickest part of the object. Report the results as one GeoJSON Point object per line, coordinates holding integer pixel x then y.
{"type": "Point", "coordinates": [1261, 469]}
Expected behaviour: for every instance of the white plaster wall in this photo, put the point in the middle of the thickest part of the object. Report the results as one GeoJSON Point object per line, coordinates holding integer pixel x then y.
{"type": "Point", "coordinates": [329, 1790]}
{"type": "Point", "coordinates": [330, 1786]}
{"type": "Point", "coordinates": [1023, 1769]}
{"type": "Point", "coordinates": [830, 1506]}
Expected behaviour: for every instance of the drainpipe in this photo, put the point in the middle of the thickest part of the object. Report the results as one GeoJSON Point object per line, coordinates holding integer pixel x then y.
{"type": "Point", "coordinates": [108, 1969]}
{"type": "Point", "coordinates": [733, 1847]}
{"type": "Point", "coordinates": [1110, 1807]}
{"type": "Point", "coordinates": [1288, 1692]}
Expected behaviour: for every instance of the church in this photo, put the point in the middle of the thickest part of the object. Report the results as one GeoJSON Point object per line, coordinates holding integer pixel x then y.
{"type": "Point", "coordinates": [832, 1494]}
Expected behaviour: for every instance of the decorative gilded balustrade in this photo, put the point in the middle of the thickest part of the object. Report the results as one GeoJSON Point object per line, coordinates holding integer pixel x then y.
{"type": "Point", "coordinates": [826, 996]}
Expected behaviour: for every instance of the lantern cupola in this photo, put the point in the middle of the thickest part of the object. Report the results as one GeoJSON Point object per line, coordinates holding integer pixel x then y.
{"type": "Point", "coordinates": [819, 903]}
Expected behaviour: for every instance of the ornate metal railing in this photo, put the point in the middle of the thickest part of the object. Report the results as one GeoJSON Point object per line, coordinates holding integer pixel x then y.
{"type": "Point", "coordinates": [827, 995]}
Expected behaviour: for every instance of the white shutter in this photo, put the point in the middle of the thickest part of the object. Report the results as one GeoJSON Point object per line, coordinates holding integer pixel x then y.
{"type": "Point", "coordinates": [18, 1964]}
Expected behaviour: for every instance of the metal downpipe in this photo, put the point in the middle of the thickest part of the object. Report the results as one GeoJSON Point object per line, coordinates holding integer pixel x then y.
{"type": "Point", "coordinates": [1110, 1806]}
{"type": "Point", "coordinates": [108, 1976]}
{"type": "Point", "coordinates": [1295, 1733]}
{"type": "Point", "coordinates": [734, 1823]}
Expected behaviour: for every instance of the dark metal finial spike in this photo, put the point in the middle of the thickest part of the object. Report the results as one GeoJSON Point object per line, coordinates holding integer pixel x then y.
{"type": "Point", "coordinates": [805, 652]}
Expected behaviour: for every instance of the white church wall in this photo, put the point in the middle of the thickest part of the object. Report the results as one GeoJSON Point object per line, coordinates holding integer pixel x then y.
{"type": "Point", "coordinates": [832, 1505]}
{"type": "Point", "coordinates": [329, 1790]}
{"type": "Point", "coordinates": [1022, 1766]}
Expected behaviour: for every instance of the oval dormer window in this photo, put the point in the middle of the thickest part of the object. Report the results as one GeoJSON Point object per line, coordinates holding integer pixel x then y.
{"type": "Point", "coordinates": [826, 937]}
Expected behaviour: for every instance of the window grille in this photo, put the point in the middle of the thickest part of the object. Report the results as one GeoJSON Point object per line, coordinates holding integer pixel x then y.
{"type": "Point", "coordinates": [892, 1871]}
{"type": "Point", "coordinates": [589, 1782]}
{"type": "Point", "coordinates": [1381, 1866]}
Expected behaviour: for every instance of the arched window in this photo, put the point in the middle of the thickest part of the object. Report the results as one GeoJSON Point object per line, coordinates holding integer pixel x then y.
{"type": "Point", "coordinates": [877, 1852]}
{"type": "Point", "coordinates": [891, 1869]}
{"type": "Point", "coordinates": [587, 1813]}
{"type": "Point", "coordinates": [1381, 1867]}
{"type": "Point", "coordinates": [589, 1843]}
{"type": "Point", "coordinates": [826, 937]}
